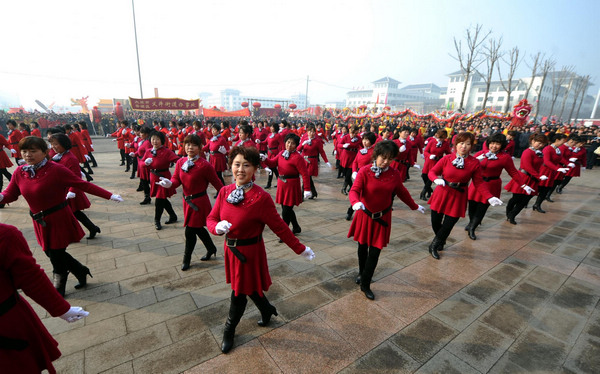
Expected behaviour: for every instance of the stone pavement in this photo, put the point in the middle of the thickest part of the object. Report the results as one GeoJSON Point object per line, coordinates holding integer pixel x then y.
{"type": "Point", "coordinates": [519, 299]}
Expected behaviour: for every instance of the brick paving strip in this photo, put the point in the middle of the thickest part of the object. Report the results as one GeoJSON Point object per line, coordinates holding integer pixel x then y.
{"type": "Point", "coordinates": [520, 298]}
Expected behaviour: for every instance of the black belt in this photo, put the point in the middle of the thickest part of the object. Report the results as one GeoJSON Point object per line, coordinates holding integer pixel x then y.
{"type": "Point", "coordinates": [529, 175]}
{"type": "Point", "coordinates": [232, 244]}
{"type": "Point", "coordinates": [351, 149]}
{"type": "Point", "coordinates": [312, 156]}
{"type": "Point", "coordinates": [487, 179]}
{"type": "Point", "coordinates": [188, 199]}
{"type": "Point", "coordinates": [12, 343]}
{"type": "Point", "coordinates": [158, 171]}
{"type": "Point", "coordinates": [272, 148]}
{"type": "Point", "coordinates": [15, 143]}
{"type": "Point", "coordinates": [39, 217]}
{"type": "Point", "coordinates": [284, 178]}
{"type": "Point", "coordinates": [377, 216]}
{"type": "Point", "coordinates": [7, 304]}
{"type": "Point", "coordinates": [456, 185]}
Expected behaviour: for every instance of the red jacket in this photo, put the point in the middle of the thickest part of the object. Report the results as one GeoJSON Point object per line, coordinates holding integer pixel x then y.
{"type": "Point", "coordinates": [289, 193]}
{"type": "Point", "coordinates": [14, 136]}
{"type": "Point", "coordinates": [492, 169]}
{"type": "Point", "coordinates": [311, 154]}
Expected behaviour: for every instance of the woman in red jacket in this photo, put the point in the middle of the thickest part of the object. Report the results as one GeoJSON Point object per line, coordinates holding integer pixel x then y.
{"type": "Point", "coordinates": [5, 163]}
{"type": "Point", "coordinates": [363, 158]}
{"type": "Point", "coordinates": [350, 144]}
{"type": "Point", "coordinates": [158, 160]}
{"type": "Point", "coordinates": [311, 148]}
{"type": "Point", "coordinates": [14, 136]}
{"type": "Point", "coordinates": [44, 185]}
{"type": "Point", "coordinates": [218, 147]}
{"type": "Point", "coordinates": [436, 148]}
{"type": "Point", "coordinates": [372, 196]}
{"type": "Point", "coordinates": [337, 136]}
{"type": "Point", "coordinates": [241, 212]}
{"type": "Point", "coordinates": [492, 163]}
{"type": "Point", "coordinates": [194, 174]}
{"type": "Point", "coordinates": [87, 141]}
{"type": "Point", "coordinates": [274, 146]}
{"type": "Point", "coordinates": [26, 346]}
{"type": "Point", "coordinates": [291, 167]}
{"type": "Point", "coordinates": [140, 148]}
{"type": "Point", "coordinates": [245, 137]}
{"type": "Point", "coordinates": [577, 155]}
{"type": "Point", "coordinates": [553, 164]}
{"type": "Point", "coordinates": [531, 163]}
{"type": "Point", "coordinates": [452, 175]}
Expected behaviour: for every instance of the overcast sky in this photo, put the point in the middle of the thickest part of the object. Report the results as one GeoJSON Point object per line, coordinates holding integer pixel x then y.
{"type": "Point", "coordinates": [57, 50]}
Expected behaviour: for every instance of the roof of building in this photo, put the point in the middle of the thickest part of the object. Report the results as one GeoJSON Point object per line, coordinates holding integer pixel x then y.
{"type": "Point", "coordinates": [387, 79]}
{"type": "Point", "coordinates": [419, 86]}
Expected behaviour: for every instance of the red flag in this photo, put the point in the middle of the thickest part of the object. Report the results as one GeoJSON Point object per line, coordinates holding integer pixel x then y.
{"type": "Point", "coordinates": [385, 99]}
{"type": "Point", "coordinates": [377, 99]}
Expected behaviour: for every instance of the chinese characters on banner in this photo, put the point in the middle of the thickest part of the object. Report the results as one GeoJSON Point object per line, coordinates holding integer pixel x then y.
{"type": "Point", "coordinates": [159, 103]}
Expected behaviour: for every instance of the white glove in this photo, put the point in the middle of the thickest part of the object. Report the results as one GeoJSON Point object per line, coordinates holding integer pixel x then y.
{"type": "Point", "coordinates": [573, 159]}
{"type": "Point", "coordinates": [305, 142]}
{"type": "Point", "coordinates": [358, 206]}
{"type": "Point", "coordinates": [222, 149]}
{"type": "Point", "coordinates": [13, 151]}
{"type": "Point", "coordinates": [116, 198]}
{"type": "Point", "coordinates": [263, 157]}
{"type": "Point", "coordinates": [354, 174]}
{"type": "Point", "coordinates": [21, 162]}
{"type": "Point", "coordinates": [127, 145]}
{"type": "Point", "coordinates": [230, 138]}
{"type": "Point", "coordinates": [432, 157]}
{"type": "Point", "coordinates": [207, 155]}
{"type": "Point", "coordinates": [423, 156]}
{"type": "Point", "coordinates": [307, 194]}
{"type": "Point", "coordinates": [82, 175]}
{"type": "Point", "coordinates": [563, 170]}
{"type": "Point", "coordinates": [513, 157]}
{"type": "Point", "coordinates": [87, 158]}
{"type": "Point", "coordinates": [543, 177]}
{"type": "Point", "coordinates": [165, 182]}
{"type": "Point", "coordinates": [75, 313]}
{"type": "Point", "coordinates": [334, 152]}
{"type": "Point", "coordinates": [583, 168]}
{"type": "Point", "coordinates": [571, 165]}
{"type": "Point", "coordinates": [494, 201]}
{"type": "Point", "coordinates": [114, 140]}
{"type": "Point", "coordinates": [328, 164]}
{"type": "Point", "coordinates": [268, 170]}
{"type": "Point", "coordinates": [257, 141]}
{"type": "Point", "coordinates": [480, 157]}
{"type": "Point", "coordinates": [527, 189]}
{"type": "Point", "coordinates": [403, 148]}
{"type": "Point", "coordinates": [70, 195]}
{"type": "Point", "coordinates": [148, 161]}
{"type": "Point", "coordinates": [308, 254]}
{"type": "Point", "coordinates": [131, 154]}
{"type": "Point", "coordinates": [108, 135]}
{"type": "Point", "coordinates": [222, 227]}
{"type": "Point", "coordinates": [417, 166]}
{"type": "Point", "coordinates": [346, 145]}
{"type": "Point", "coordinates": [439, 182]}
{"type": "Point", "coordinates": [421, 209]}
{"type": "Point", "coordinates": [92, 146]}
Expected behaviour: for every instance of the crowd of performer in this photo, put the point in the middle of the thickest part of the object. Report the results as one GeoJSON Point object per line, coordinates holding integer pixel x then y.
{"type": "Point", "coordinates": [461, 175]}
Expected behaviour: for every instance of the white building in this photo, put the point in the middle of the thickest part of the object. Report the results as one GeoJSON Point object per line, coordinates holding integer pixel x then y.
{"type": "Point", "coordinates": [231, 99]}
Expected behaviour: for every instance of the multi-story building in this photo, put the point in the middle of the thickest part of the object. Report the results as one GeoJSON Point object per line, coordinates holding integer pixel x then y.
{"type": "Point", "coordinates": [231, 99]}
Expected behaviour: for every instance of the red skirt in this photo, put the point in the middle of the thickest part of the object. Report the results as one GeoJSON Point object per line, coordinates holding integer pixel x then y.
{"type": "Point", "coordinates": [289, 193]}
{"type": "Point", "coordinates": [449, 201]}
{"type": "Point", "coordinates": [365, 230]}
{"type": "Point", "coordinates": [251, 276]}
{"type": "Point", "coordinates": [158, 191]}
{"type": "Point", "coordinates": [218, 161]}
{"type": "Point", "coordinates": [80, 202]}
{"type": "Point", "coordinates": [495, 187]}
{"type": "Point", "coordinates": [5, 162]}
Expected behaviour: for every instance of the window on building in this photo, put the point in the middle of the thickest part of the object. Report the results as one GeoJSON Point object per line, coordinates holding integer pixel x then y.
{"type": "Point", "coordinates": [479, 99]}
{"type": "Point", "coordinates": [481, 89]}
{"type": "Point", "coordinates": [501, 98]}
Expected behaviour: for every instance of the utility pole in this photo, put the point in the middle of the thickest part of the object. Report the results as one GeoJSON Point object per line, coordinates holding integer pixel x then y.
{"type": "Point", "coordinates": [306, 98]}
{"type": "Point", "coordinates": [136, 50]}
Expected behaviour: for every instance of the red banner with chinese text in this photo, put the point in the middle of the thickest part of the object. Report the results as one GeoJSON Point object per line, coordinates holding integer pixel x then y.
{"type": "Point", "coordinates": [159, 103]}
{"type": "Point", "coordinates": [217, 113]}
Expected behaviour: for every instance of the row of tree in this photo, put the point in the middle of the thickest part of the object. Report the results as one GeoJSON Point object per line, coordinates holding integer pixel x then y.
{"type": "Point", "coordinates": [481, 47]}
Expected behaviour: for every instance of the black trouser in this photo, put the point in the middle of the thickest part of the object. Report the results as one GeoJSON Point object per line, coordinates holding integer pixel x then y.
{"type": "Point", "coordinates": [516, 204]}
{"type": "Point", "coordinates": [161, 205]}
{"type": "Point", "coordinates": [442, 225]}
{"type": "Point", "coordinates": [122, 152]}
{"type": "Point", "coordinates": [85, 221]}
{"type": "Point", "coordinates": [313, 190]}
{"type": "Point", "coordinates": [556, 184]}
{"type": "Point", "coordinates": [146, 187]}
{"type": "Point", "coordinates": [274, 171]}
{"type": "Point", "coordinates": [8, 176]}
{"type": "Point", "coordinates": [220, 175]}
{"type": "Point", "coordinates": [477, 211]}
{"type": "Point", "coordinates": [134, 165]}
{"type": "Point", "coordinates": [88, 177]}
{"type": "Point", "coordinates": [367, 262]}
{"type": "Point", "coordinates": [62, 262]}
{"type": "Point", "coordinates": [542, 194]}
{"type": "Point", "coordinates": [347, 177]}
{"type": "Point", "coordinates": [562, 185]}
{"type": "Point", "coordinates": [190, 239]}
{"type": "Point", "coordinates": [94, 163]}
{"type": "Point", "coordinates": [289, 216]}
{"type": "Point", "coordinates": [427, 183]}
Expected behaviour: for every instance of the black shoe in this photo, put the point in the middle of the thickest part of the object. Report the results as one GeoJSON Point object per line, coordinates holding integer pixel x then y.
{"type": "Point", "coordinates": [122, 163]}
{"type": "Point", "coordinates": [537, 208]}
{"type": "Point", "coordinates": [88, 178]}
{"type": "Point", "coordinates": [94, 232]}
{"type": "Point", "coordinates": [132, 176]}
{"type": "Point", "coordinates": [344, 192]}
{"type": "Point", "coordinates": [82, 278]}
{"type": "Point", "coordinates": [268, 186]}
{"type": "Point", "coordinates": [468, 227]}
{"type": "Point", "coordinates": [140, 189]}
{"type": "Point", "coordinates": [94, 165]}
{"type": "Point", "coordinates": [549, 199]}
{"type": "Point", "coordinates": [511, 220]}
{"type": "Point", "coordinates": [172, 219]}
{"type": "Point", "coordinates": [349, 217]}
{"type": "Point", "coordinates": [472, 234]}
{"type": "Point", "coordinates": [296, 230]}
{"type": "Point", "coordinates": [1, 206]}
{"type": "Point", "coordinates": [433, 248]}
{"type": "Point", "coordinates": [357, 280]}
{"type": "Point", "coordinates": [559, 190]}
{"type": "Point", "coordinates": [90, 171]}
{"type": "Point", "coordinates": [216, 196]}
{"type": "Point", "coordinates": [157, 225]}
{"type": "Point", "coordinates": [266, 318]}
{"type": "Point", "coordinates": [423, 196]}
{"type": "Point", "coordinates": [146, 201]}
{"type": "Point", "coordinates": [280, 240]}
{"type": "Point", "coordinates": [208, 254]}
{"type": "Point", "coordinates": [368, 293]}
{"type": "Point", "coordinates": [185, 265]}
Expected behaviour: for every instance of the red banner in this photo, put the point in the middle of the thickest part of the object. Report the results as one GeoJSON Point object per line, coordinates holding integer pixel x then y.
{"type": "Point", "coordinates": [159, 103]}
{"type": "Point", "coordinates": [217, 113]}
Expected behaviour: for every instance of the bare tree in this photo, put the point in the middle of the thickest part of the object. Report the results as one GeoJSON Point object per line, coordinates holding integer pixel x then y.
{"type": "Point", "coordinates": [547, 65]}
{"type": "Point", "coordinates": [536, 64]}
{"type": "Point", "coordinates": [586, 85]}
{"type": "Point", "coordinates": [513, 64]}
{"type": "Point", "coordinates": [492, 54]}
{"type": "Point", "coordinates": [469, 57]}
{"type": "Point", "coordinates": [558, 79]}
{"type": "Point", "coordinates": [579, 84]}
{"type": "Point", "coordinates": [568, 88]}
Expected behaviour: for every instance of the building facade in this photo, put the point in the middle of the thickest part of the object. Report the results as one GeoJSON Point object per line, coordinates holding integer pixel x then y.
{"type": "Point", "coordinates": [231, 99]}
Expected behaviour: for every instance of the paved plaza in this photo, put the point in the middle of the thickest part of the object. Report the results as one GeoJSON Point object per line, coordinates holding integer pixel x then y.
{"type": "Point", "coordinates": [521, 298]}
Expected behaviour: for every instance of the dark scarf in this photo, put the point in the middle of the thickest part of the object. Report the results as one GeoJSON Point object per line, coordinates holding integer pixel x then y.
{"type": "Point", "coordinates": [32, 168]}
{"type": "Point", "coordinates": [237, 196]}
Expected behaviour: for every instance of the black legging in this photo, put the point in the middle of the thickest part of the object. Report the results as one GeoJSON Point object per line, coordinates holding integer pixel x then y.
{"type": "Point", "coordinates": [62, 262]}
{"type": "Point", "coordinates": [477, 211]}
{"type": "Point", "coordinates": [427, 183]}
{"type": "Point", "coordinates": [347, 177]}
{"type": "Point", "coordinates": [8, 176]}
{"type": "Point", "coordinates": [161, 205]}
{"type": "Point", "coordinates": [191, 233]}
{"type": "Point", "coordinates": [85, 221]}
{"type": "Point", "coordinates": [289, 216]}
{"type": "Point", "coordinates": [516, 204]}
{"type": "Point", "coordinates": [122, 152]}
{"type": "Point", "coordinates": [274, 172]}
{"type": "Point", "coordinates": [562, 185]}
{"type": "Point", "coordinates": [313, 190]}
{"type": "Point", "coordinates": [542, 194]}
{"type": "Point", "coordinates": [220, 175]}
{"type": "Point", "coordinates": [367, 262]}
{"type": "Point", "coordinates": [442, 225]}
{"type": "Point", "coordinates": [145, 187]}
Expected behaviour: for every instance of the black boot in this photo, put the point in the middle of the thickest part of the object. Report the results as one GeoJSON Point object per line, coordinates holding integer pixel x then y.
{"type": "Point", "coordinates": [362, 260]}
{"type": "Point", "coordinates": [140, 187]}
{"type": "Point", "coordinates": [367, 273]}
{"type": "Point", "coordinates": [187, 258]}
{"type": "Point", "coordinates": [236, 310]}
{"type": "Point", "coordinates": [559, 189]}
{"type": "Point", "coordinates": [423, 195]}
{"type": "Point", "coordinates": [81, 272]}
{"type": "Point", "coordinates": [349, 214]}
{"type": "Point", "coordinates": [172, 219]}
{"type": "Point", "coordinates": [157, 224]}
{"type": "Point", "coordinates": [269, 181]}
{"type": "Point", "coordinates": [60, 282]}
{"type": "Point", "coordinates": [434, 246]}
{"type": "Point", "coordinates": [266, 309]}
{"type": "Point", "coordinates": [538, 208]}
{"type": "Point", "coordinates": [209, 253]}
{"type": "Point", "coordinates": [147, 200]}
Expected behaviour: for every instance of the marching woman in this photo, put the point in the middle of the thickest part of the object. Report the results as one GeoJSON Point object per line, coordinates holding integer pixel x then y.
{"type": "Point", "coordinates": [436, 148]}
{"type": "Point", "coordinates": [291, 167]}
{"type": "Point", "coordinates": [531, 162]}
{"type": "Point", "coordinates": [492, 163]}
{"type": "Point", "coordinates": [403, 160]}
{"type": "Point", "coordinates": [194, 174]}
{"type": "Point", "coordinates": [274, 146]}
{"type": "Point", "coordinates": [565, 152]}
{"type": "Point", "coordinates": [44, 185]}
{"type": "Point", "coordinates": [5, 163]}
{"type": "Point", "coordinates": [577, 155]}
{"type": "Point", "coordinates": [218, 147]}
{"type": "Point", "coordinates": [61, 144]}
{"type": "Point", "coordinates": [158, 160]}
{"type": "Point", "coordinates": [79, 151]}
{"type": "Point", "coordinates": [35, 129]}
{"type": "Point", "coordinates": [141, 147]}
{"type": "Point", "coordinates": [553, 164]}
{"type": "Point", "coordinates": [87, 141]}
{"type": "Point", "coordinates": [337, 136]}
{"type": "Point", "coordinates": [241, 212]}
{"type": "Point", "coordinates": [245, 137]}
{"type": "Point", "coordinates": [372, 196]}
{"type": "Point", "coordinates": [14, 136]}
{"type": "Point", "coordinates": [363, 158]}
{"type": "Point", "coordinates": [26, 346]}
{"type": "Point", "coordinates": [452, 175]}
{"type": "Point", "coordinates": [311, 148]}
{"type": "Point", "coordinates": [349, 147]}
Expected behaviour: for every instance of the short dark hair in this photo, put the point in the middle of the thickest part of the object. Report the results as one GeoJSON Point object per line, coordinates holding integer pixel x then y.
{"type": "Point", "coordinates": [370, 137]}
{"type": "Point", "coordinates": [159, 135]}
{"type": "Point", "coordinates": [33, 142]}
{"type": "Point", "coordinates": [535, 137]}
{"type": "Point", "coordinates": [193, 139]}
{"type": "Point", "coordinates": [442, 134]}
{"type": "Point", "coordinates": [62, 139]}
{"type": "Point", "coordinates": [56, 130]}
{"type": "Point", "coordinates": [310, 127]}
{"type": "Point", "coordinates": [275, 126]}
{"type": "Point", "coordinates": [246, 129]}
{"type": "Point", "coordinates": [385, 148]}
{"type": "Point", "coordinates": [295, 138]}
{"type": "Point", "coordinates": [464, 136]}
{"type": "Point", "coordinates": [249, 153]}
{"type": "Point", "coordinates": [497, 138]}
{"type": "Point", "coordinates": [558, 137]}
